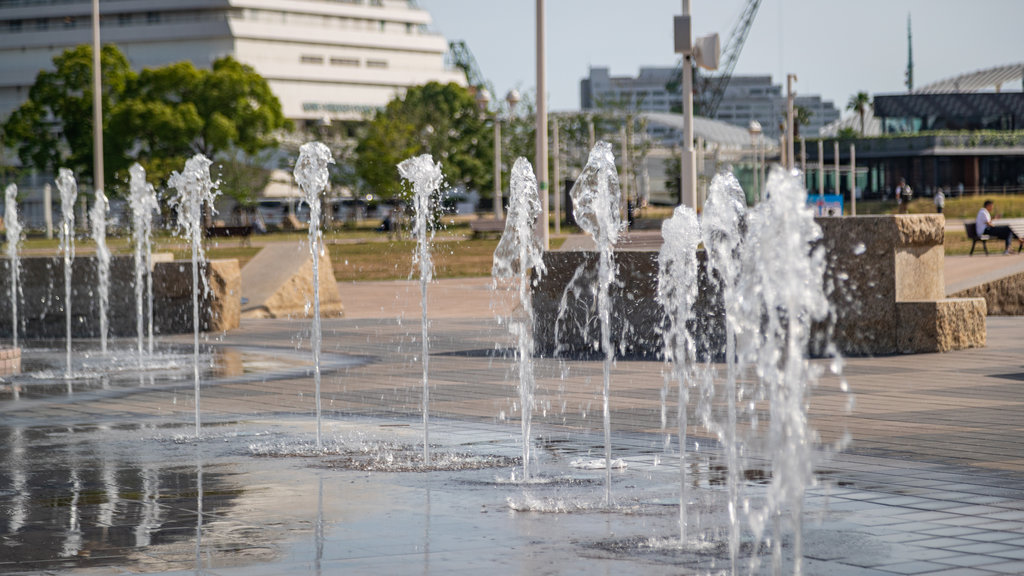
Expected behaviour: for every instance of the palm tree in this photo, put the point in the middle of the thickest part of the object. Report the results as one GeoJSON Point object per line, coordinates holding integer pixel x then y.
{"type": "Point", "coordinates": [859, 102]}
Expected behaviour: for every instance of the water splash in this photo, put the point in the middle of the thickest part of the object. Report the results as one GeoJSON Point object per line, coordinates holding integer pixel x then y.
{"type": "Point", "coordinates": [723, 230]}
{"type": "Point", "coordinates": [596, 206]}
{"type": "Point", "coordinates": [311, 175]}
{"type": "Point", "coordinates": [142, 201]}
{"type": "Point", "coordinates": [68, 193]}
{"type": "Point", "coordinates": [425, 176]}
{"type": "Point", "coordinates": [195, 190]}
{"type": "Point", "coordinates": [518, 253]}
{"type": "Point", "coordinates": [781, 294]}
{"type": "Point", "coordinates": [677, 294]}
{"type": "Point", "coordinates": [13, 231]}
{"type": "Point", "coordinates": [98, 224]}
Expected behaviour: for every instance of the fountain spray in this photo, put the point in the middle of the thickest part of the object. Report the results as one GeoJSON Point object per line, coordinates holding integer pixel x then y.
{"type": "Point", "coordinates": [142, 201]}
{"type": "Point", "coordinates": [677, 294]}
{"type": "Point", "coordinates": [13, 231]}
{"type": "Point", "coordinates": [425, 176]}
{"type": "Point", "coordinates": [723, 229]}
{"type": "Point", "coordinates": [98, 223]}
{"type": "Point", "coordinates": [596, 199]}
{"type": "Point", "coordinates": [311, 175]}
{"type": "Point", "coordinates": [68, 193]}
{"type": "Point", "coordinates": [195, 189]}
{"type": "Point", "coordinates": [782, 294]}
{"type": "Point", "coordinates": [518, 253]}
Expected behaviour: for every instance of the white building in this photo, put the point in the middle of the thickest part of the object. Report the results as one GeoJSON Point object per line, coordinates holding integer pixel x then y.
{"type": "Point", "coordinates": [338, 59]}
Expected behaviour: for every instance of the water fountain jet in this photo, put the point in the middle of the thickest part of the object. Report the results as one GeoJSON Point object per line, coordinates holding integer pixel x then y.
{"type": "Point", "coordinates": [142, 201]}
{"type": "Point", "coordinates": [596, 200]}
{"type": "Point", "coordinates": [195, 190]}
{"type": "Point", "coordinates": [98, 223]}
{"type": "Point", "coordinates": [517, 254]}
{"type": "Point", "coordinates": [311, 175]}
{"type": "Point", "coordinates": [425, 176]}
{"type": "Point", "coordinates": [13, 230]}
{"type": "Point", "coordinates": [68, 193]}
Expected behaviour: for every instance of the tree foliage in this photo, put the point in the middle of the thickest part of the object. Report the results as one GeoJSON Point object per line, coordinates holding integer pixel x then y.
{"type": "Point", "coordinates": [438, 119]}
{"type": "Point", "coordinates": [859, 102]}
{"type": "Point", "coordinates": [54, 127]}
{"type": "Point", "coordinates": [158, 117]}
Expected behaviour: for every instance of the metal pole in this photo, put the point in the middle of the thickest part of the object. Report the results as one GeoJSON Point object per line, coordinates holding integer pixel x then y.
{"type": "Point", "coordinates": [97, 105]}
{"type": "Point", "coordinates": [839, 186]}
{"type": "Point", "coordinates": [624, 176]}
{"type": "Point", "coordinates": [790, 128]}
{"type": "Point", "coordinates": [542, 129]}
{"type": "Point", "coordinates": [753, 146]}
{"type": "Point", "coordinates": [821, 167]}
{"type": "Point", "coordinates": [803, 157]}
{"type": "Point", "coordinates": [497, 168]}
{"type": "Point", "coordinates": [557, 181]}
{"type": "Point", "coordinates": [688, 164]}
{"type": "Point", "coordinates": [853, 179]}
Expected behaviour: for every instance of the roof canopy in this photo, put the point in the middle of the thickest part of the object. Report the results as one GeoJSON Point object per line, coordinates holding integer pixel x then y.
{"type": "Point", "coordinates": [980, 80]}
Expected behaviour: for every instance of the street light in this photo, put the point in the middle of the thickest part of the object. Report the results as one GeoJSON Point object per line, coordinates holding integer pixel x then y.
{"type": "Point", "coordinates": [755, 132]}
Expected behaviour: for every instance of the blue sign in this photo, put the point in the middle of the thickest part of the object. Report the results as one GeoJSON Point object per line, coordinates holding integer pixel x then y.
{"type": "Point", "coordinates": [827, 205]}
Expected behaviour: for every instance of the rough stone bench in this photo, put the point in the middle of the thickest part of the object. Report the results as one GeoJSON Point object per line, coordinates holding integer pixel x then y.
{"type": "Point", "coordinates": [482, 226]}
{"type": "Point", "coordinates": [242, 232]}
{"type": "Point", "coordinates": [884, 278]}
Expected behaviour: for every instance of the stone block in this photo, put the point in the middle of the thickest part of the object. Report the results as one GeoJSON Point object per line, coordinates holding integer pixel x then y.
{"type": "Point", "coordinates": [41, 305]}
{"type": "Point", "coordinates": [10, 361]}
{"type": "Point", "coordinates": [220, 306]}
{"type": "Point", "coordinates": [874, 263]}
{"type": "Point", "coordinates": [1003, 297]}
{"type": "Point", "coordinates": [279, 284]}
{"type": "Point", "coordinates": [940, 326]}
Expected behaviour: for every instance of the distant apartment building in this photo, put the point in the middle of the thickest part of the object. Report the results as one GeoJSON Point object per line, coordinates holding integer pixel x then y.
{"type": "Point", "coordinates": [746, 98]}
{"type": "Point", "coordinates": [338, 59]}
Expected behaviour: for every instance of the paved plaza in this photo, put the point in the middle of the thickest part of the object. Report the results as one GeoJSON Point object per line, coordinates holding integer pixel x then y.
{"type": "Point", "coordinates": [104, 476]}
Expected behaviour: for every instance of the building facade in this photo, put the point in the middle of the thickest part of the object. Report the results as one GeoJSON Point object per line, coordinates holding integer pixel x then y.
{"type": "Point", "coordinates": [746, 98]}
{"type": "Point", "coordinates": [333, 59]}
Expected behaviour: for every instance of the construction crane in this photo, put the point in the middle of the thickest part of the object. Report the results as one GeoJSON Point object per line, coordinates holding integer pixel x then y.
{"type": "Point", "coordinates": [713, 87]}
{"type": "Point", "coordinates": [461, 57]}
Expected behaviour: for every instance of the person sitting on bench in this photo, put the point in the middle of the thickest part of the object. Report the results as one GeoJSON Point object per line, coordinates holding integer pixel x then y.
{"type": "Point", "coordinates": [983, 224]}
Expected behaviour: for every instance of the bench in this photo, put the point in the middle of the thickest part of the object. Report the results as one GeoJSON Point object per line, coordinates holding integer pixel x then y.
{"type": "Point", "coordinates": [242, 232]}
{"type": "Point", "coordinates": [972, 235]}
{"type": "Point", "coordinates": [482, 226]}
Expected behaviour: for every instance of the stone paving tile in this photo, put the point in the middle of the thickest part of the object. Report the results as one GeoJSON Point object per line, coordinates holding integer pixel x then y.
{"type": "Point", "coordinates": [915, 567]}
{"type": "Point", "coordinates": [991, 548]}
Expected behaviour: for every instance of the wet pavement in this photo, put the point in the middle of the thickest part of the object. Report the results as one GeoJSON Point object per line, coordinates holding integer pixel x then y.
{"type": "Point", "coordinates": [107, 478]}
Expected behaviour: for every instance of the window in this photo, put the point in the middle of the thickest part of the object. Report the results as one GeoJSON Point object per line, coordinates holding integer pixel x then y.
{"type": "Point", "coordinates": [14, 25]}
{"type": "Point", "coordinates": [309, 59]}
{"type": "Point", "coordinates": [376, 64]}
{"type": "Point", "coordinates": [344, 61]}
{"type": "Point", "coordinates": [124, 19]}
{"type": "Point", "coordinates": [69, 21]}
{"type": "Point", "coordinates": [152, 17]}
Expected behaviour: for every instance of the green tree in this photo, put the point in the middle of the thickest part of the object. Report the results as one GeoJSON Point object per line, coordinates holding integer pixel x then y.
{"type": "Point", "coordinates": [859, 102]}
{"type": "Point", "coordinates": [158, 117]}
{"type": "Point", "coordinates": [438, 119]}
{"type": "Point", "coordinates": [54, 127]}
{"type": "Point", "coordinates": [179, 110]}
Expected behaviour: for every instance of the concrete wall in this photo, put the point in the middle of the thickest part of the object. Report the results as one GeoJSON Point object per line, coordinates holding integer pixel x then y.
{"type": "Point", "coordinates": [41, 306]}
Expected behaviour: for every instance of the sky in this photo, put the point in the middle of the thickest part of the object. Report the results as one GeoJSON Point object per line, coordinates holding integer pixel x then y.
{"type": "Point", "coordinates": [835, 47]}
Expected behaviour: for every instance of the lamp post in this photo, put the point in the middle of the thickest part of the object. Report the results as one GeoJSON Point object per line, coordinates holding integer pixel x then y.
{"type": "Point", "coordinates": [483, 99]}
{"type": "Point", "coordinates": [755, 132]}
{"type": "Point", "coordinates": [790, 126]}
